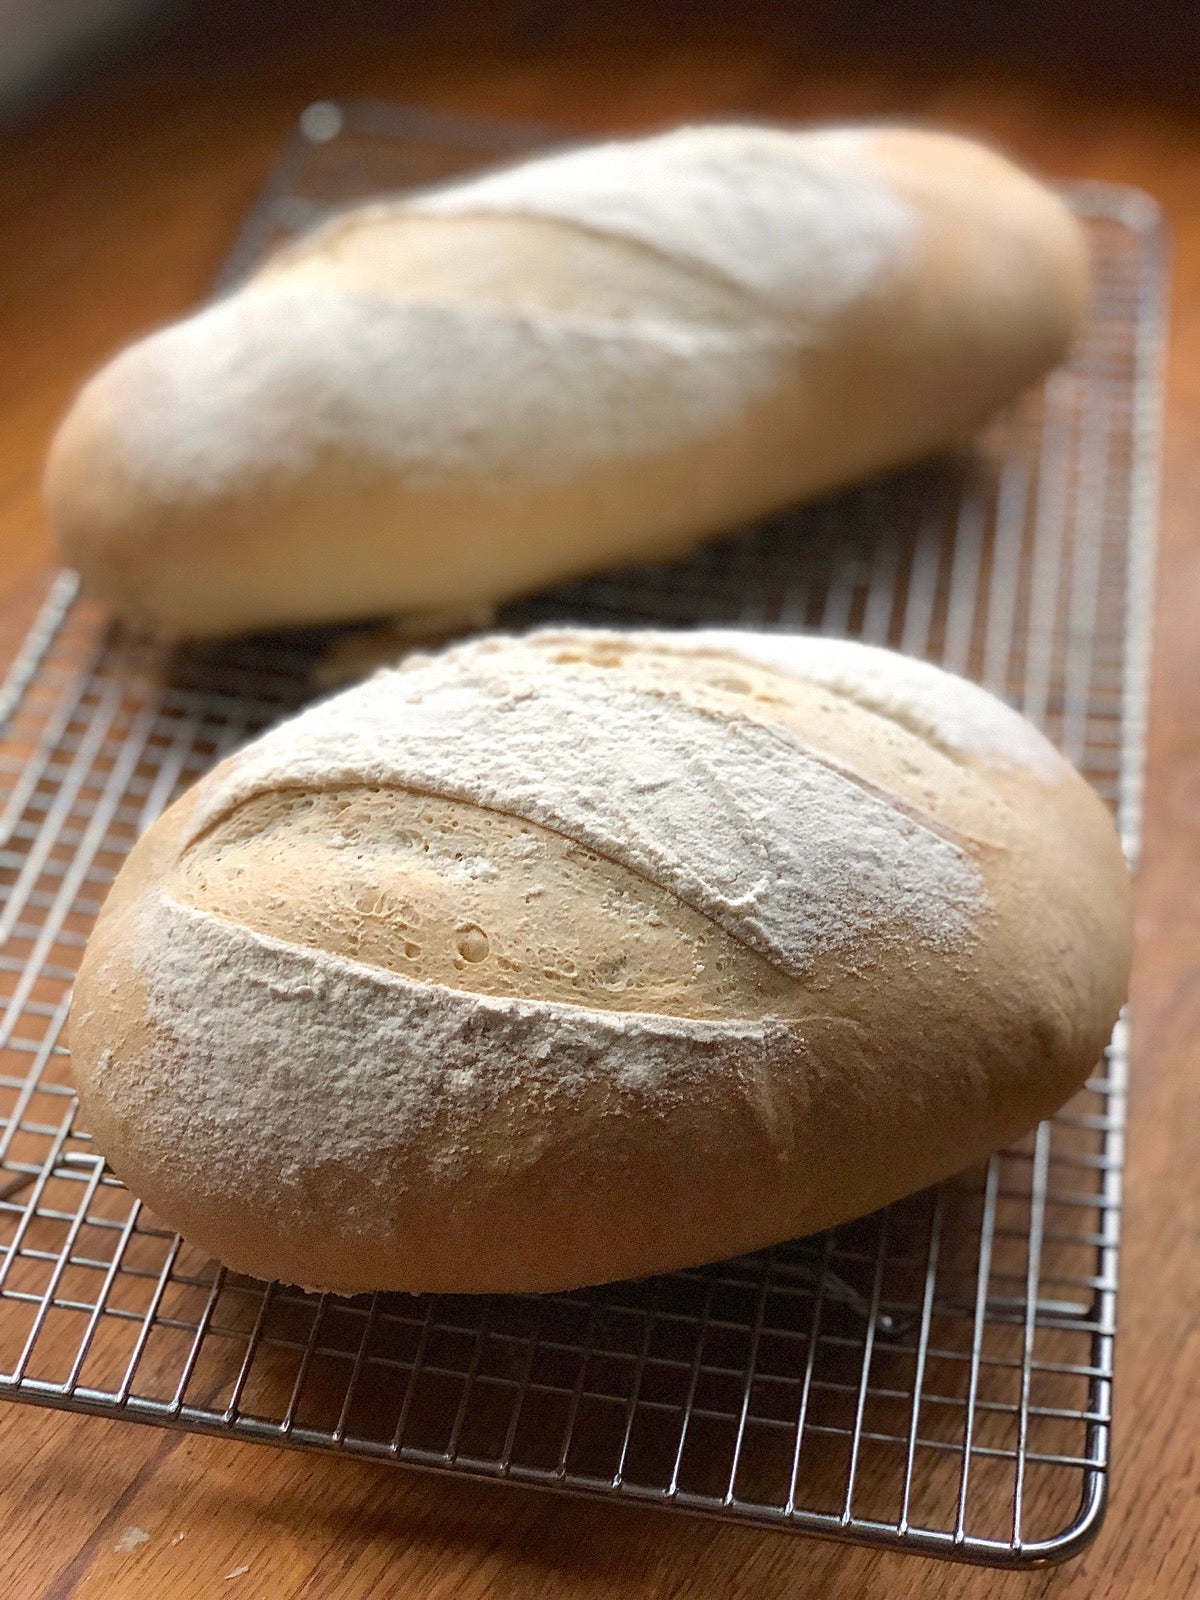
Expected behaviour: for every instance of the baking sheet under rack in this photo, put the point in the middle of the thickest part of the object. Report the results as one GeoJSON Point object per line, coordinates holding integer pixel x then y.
{"type": "Point", "coordinates": [936, 1377]}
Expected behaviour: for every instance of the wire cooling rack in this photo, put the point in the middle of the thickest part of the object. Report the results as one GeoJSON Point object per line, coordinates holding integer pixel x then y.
{"type": "Point", "coordinates": [936, 1377]}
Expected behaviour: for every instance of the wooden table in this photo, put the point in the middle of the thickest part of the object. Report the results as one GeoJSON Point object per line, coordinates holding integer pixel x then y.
{"type": "Point", "coordinates": [118, 203]}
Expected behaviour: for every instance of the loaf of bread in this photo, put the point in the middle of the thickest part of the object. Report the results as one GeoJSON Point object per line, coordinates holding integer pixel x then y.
{"type": "Point", "coordinates": [561, 958]}
{"type": "Point", "coordinates": [437, 403]}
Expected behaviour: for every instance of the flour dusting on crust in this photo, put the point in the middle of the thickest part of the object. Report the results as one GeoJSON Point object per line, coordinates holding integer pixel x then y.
{"type": "Point", "coordinates": [360, 1059]}
{"type": "Point", "coordinates": [289, 376]}
{"type": "Point", "coordinates": [723, 806]}
{"type": "Point", "coordinates": [790, 220]}
{"type": "Point", "coordinates": [952, 713]}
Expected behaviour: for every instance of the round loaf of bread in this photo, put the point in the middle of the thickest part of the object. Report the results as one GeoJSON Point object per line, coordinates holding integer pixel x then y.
{"type": "Point", "coordinates": [438, 403]}
{"type": "Point", "coordinates": [580, 955]}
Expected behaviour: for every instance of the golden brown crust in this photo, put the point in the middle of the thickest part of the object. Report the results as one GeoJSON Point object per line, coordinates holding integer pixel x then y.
{"type": "Point", "coordinates": [350, 1102]}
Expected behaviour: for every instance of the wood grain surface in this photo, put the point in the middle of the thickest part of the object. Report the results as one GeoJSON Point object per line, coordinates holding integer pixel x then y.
{"type": "Point", "coordinates": [118, 202]}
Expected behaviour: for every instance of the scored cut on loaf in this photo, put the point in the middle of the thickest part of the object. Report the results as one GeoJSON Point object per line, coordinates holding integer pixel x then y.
{"type": "Point", "coordinates": [433, 404]}
{"type": "Point", "coordinates": [555, 959]}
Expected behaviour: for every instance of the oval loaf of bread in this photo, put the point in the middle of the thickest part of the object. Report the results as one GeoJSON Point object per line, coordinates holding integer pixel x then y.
{"type": "Point", "coordinates": [437, 403]}
{"type": "Point", "coordinates": [556, 959]}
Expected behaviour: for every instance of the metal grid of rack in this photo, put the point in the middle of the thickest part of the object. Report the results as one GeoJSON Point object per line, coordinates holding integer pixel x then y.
{"type": "Point", "coordinates": [936, 1377]}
